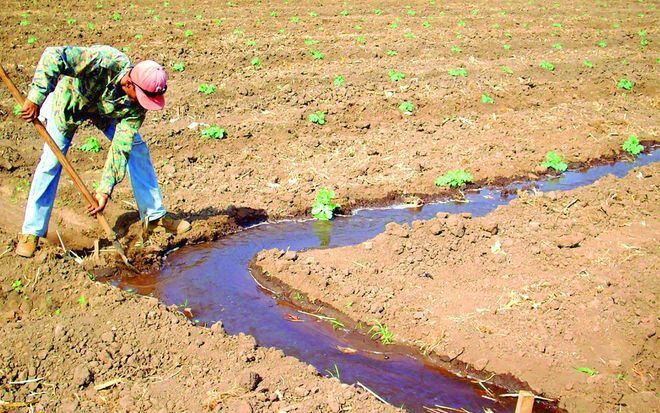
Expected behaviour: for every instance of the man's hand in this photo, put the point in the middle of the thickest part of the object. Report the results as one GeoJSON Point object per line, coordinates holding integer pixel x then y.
{"type": "Point", "coordinates": [102, 199]}
{"type": "Point", "coordinates": [29, 111]}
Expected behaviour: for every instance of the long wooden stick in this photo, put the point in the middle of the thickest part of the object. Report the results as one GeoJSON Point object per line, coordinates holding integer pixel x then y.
{"type": "Point", "coordinates": [66, 165]}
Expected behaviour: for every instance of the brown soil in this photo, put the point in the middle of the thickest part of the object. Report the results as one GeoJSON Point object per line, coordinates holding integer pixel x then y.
{"type": "Point", "coordinates": [536, 289]}
{"type": "Point", "coordinates": [273, 159]}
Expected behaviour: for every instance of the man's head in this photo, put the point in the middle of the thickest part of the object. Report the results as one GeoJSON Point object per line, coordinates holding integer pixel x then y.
{"type": "Point", "coordinates": [146, 84]}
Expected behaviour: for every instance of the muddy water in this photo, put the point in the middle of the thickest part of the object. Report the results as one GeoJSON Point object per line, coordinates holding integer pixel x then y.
{"type": "Point", "coordinates": [214, 281]}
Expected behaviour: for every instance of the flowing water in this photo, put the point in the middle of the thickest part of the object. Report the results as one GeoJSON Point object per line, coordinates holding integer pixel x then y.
{"type": "Point", "coordinates": [214, 281]}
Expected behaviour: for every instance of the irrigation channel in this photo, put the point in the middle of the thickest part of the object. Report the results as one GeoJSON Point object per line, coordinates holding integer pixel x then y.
{"type": "Point", "coordinates": [213, 279]}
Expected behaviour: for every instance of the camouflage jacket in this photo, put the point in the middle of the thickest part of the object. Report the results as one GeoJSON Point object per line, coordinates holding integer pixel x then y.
{"type": "Point", "coordinates": [85, 83]}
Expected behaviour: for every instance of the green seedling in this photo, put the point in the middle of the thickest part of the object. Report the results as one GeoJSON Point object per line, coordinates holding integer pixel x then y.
{"type": "Point", "coordinates": [344, 12]}
{"type": "Point", "coordinates": [454, 178]}
{"type": "Point", "coordinates": [313, 14]}
{"type": "Point", "coordinates": [461, 23]}
{"type": "Point", "coordinates": [506, 70]}
{"type": "Point", "coordinates": [486, 99]}
{"type": "Point", "coordinates": [338, 80]}
{"type": "Point", "coordinates": [632, 145]}
{"type": "Point", "coordinates": [644, 42]}
{"type": "Point", "coordinates": [334, 373]}
{"type": "Point", "coordinates": [546, 65]}
{"type": "Point", "coordinates": [17, 110]}
{"type": "Point", "coordinates": [336, 324]}
{"type": "Point", "coordinates": [24, 23]}
{"type": "Point", "coordinates": [115, 16]}
{"type": "Point", "coordinates": [91, 145]}
{"type": "Point", "coordinates": [238, 32]}
{"type": "Point", "coordinates": [298, 297]}
{"type": "Point", "coordinates": [188, 33]}
{"type": "Point", "coordinates": [456, 49]}
{"type": "Point", "coordinates": [554, 161]}
{"type": "Point", "coordinates": [426, 24]}
{"type": "Point", "coordinates": [411, 12]}
{"type": "Point", "coordinates": [310, 42]}
{"type": "Point", "coordinates": [601, 43]}
{"type": "Point", "coordinates": [206, 89]}
{"type": "Point", "coordinates": [409, 35]}
{"type": "Point", "coordinates": [588, 64]}
{"type": "Point", "coordinates": [407, 108]}
{"type": "Point", "coordinates": [506, 46]}
{"type": "Point", "coordinates": [178, 67]}
{"type": "Point", "coordinates": [138, 37]}
{"type": "Point", "coordinates": [624, 84]}
{"type": "Point", "coordinates": [323, 207]}
{"type": "Point", "coordinates": [317, 117]}
{"type": "Point", "coordinates": [395, 75]}
{"type": "Point", "coordinates": [361, 39]}
{"type": "Point", "coordinates": [126, 49]}
{"type": "Point", "coordinates": [214, 132]}
{"type": "Point", "coordinates": [294, 19]}
{"type": "Point", "coordinates": [17, 286]}
{"type": "Point", "coordinates": [179, 24]}
{"type": "Point", "coordinates": [556, 46]}
{"type": "Point", "coordinates": [70, 21]}
{"type": "Point", "coordinates": [316, 54]}
{"type": "Point", "coordinates": [378, 12]}
{"type": "Point", "coordinates": [381, 332]}
{"type": "Point", "coordinates": [393, 25]}
{"type": "Point", "coordinates": [391, 53]}
{"type": "Point", "coordinates": [273, 13]}
{"type": "Point", "coordinates": [82, 300]}
{"type": "Point", "coordinates": [250, 43]}
{"type": "Point", "coordinates": [255, 62]}
{"type": "Point", "coordinates": [586, 370]}
{"type": "Point", "coordinates": [23, 185]}
{"type": "Point", "coordinates": [556, 25]}
{"type": "Point", "coordinates": [32, 40]}
{"type": "Point", "coordinates": [457, 72]}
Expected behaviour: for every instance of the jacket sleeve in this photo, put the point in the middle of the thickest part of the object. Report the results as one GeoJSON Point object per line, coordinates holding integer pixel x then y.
{"type": "Point", "coordinates": [63, 60]}
{"type": "Point", "coordinates": [120, 149]}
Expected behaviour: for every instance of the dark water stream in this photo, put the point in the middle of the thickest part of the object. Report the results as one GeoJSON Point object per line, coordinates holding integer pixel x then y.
{"type": "Point", "coordinates": [214, 281]}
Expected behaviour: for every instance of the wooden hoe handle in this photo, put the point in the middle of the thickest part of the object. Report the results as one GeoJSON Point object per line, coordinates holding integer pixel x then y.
{"type": "Point", "coordinates": [60, 157]}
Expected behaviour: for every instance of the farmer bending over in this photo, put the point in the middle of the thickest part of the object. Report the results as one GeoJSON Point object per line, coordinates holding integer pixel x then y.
{"type": "Point", "coordinates": [99, 83]}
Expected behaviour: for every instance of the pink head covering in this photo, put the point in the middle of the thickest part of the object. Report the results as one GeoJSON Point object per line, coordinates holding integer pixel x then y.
{"type": "Point", "coordinates": [150, 82]}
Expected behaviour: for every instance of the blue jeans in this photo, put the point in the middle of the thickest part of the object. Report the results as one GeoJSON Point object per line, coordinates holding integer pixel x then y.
{"type": "Point", "coordinates": [44, 184]}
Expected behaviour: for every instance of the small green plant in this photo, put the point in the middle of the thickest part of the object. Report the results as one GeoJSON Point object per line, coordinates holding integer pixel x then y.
{"type": "Point", "coordinates": [255, 62]}
{"type": "Point", "coordinates": [557, 46]}
{"type": "Point", "coordinates": [632, 145]}
{"type": "Point", "coordinates": [206, 89]}
{"type": "Point", "coordinates": [334, 373]}
{"type": "Point", "coordinates": [344, 12]}
{"type": "Point", "coordinates": [91, 145]}
{"type": "Point", "coordinates": [82, 300]}
{"type": "Point", "coordinates": [336, 324]}
{"type": "Point", "coordinates": [454, 178]}
{"type": "Point", "coordinates": [250, 43]}
{"type": "Point", "coordinates": [17, 286]}
{"type": "Point", "coordinates": [310, 42]}
{"type": "Point", "coordinates": [32, 40]}
{"type": "Point", "coordinates": [486, 99]}
{"type": "Point", "coordinates": [395, 75]}
{"type": "Point", "coordinates": [323, 207]}
{"type": "Point", "coordinates": [461, 23]}
{"type": "Point", "coordinates": [378, 12]}
{"type": "Point", "coordinates": [624, 84]}
{"type": "Point", "coordinates": [91, 26]}
{"type": "Point", "coordinates": [179, 24]}
{"type": "Point", "coordinates": [294, 19]}
{"type": "Point", "coordinates": [178, 67]}
{"type": "Point", "coordinates": [138, 36]}
{"type": "Point", "coordinates": [407, 108]}
{"type": "Point", "coordinates": [409, 35]}
{"type": "Point", "coordinates": [115, 16]}
{"type": "Point", "coordinates": [313, 14]}
{"type": "Point", "coordinates": [554, 161]}
{"type": "Point", "coordinates": [456, 49]}
{"type": "Point", "coordinates": [188, 33]}
{"type": "Point", "coordinates": [338, 81]}
{"type": "Point", "coordinates": [17, 110]}
{"type": "Point", "coordinates": [24, 23]}
{"type": "Point", "coordinates": [556, 25]}
{"type": "Point", "coordinates": [361, 39]}
{"type": "Point", "coordinates": [391, 53]}
{"type": "Point", "coordinates": [317, 117]}
{"type": "Point", "coordinates": [586, 370]}
{"type": "Point", "coordinates": [547, 65]}
{"type": "Point", "coordinates": [506, 46]}
{"type": "Point", "coordinates": [214, 132]}
{"type": "Point", "coordinates": [381, 332]}
{"type": "Point", "coordinates": [601, 43]}
{"type": "Point", "coordinates": [273, 13]}
{"type": "Point", "coordinates": [460, 72]}
{"type": "Point", "coordinates": [588, 64]}
{"type": "Point", "coordinates": [316, 54]}
{"type": "Point", "coordinates": [506, 70]}
{"type": "Point", "coordinates": [70, 21]}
